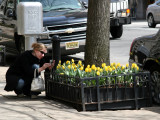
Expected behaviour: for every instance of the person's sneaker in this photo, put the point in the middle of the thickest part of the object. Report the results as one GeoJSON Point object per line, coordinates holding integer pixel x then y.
{"type": "Point", "coordinates": [20, 95]}
{"type": "Point", "coordinates": [34, 96]}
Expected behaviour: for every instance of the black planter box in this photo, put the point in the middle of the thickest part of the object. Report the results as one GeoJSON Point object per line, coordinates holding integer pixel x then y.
{"type": "Point", "coordinates": [100, 97]}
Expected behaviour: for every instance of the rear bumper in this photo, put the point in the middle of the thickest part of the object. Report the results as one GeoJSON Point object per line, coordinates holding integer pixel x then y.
{"type": "Point", "coordinates": [120, 21]}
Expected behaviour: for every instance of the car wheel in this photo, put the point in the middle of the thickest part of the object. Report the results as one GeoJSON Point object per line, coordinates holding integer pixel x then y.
{"type": "Point", "coordinates": [151, 22]}
{"type": "Point", "coordinates": [21, 44]}
{"type": "Point", "coordinates": [116, 31]}
{"type": "Point", "coordinates": [155, 84]}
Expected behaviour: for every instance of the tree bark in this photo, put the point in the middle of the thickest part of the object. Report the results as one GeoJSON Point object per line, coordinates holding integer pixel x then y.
{"type": "Point", "coordinates": [97, 50]}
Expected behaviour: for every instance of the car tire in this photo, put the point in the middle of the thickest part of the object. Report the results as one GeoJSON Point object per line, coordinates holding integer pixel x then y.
{"type": "Point", "coordinates": [116, 31]}
{"type": "Point", "coordinates": [21, 44]}
{"type": "Point", "coordinates": [155, 84]}
{"type": "Point", "coordinates": [151, 22]}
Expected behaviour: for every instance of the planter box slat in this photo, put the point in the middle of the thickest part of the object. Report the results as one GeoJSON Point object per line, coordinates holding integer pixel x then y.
{"type": "Point", "coordinates": [100, 97]}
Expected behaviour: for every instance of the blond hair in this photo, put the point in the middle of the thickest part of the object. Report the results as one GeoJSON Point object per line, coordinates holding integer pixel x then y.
{"type": "Point", "coordinates": [38, 46]}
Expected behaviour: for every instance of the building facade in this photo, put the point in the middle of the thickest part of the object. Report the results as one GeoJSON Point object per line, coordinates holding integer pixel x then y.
{"type": "Point", "coordinates": [138, 8]}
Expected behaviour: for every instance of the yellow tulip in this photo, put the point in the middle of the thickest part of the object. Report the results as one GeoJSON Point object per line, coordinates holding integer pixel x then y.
{"type": "Point", "coordinates": [72, 67]}
{"type": "Point", "coordinates": [67, 62]}
{"type": "Point", "coordinates": [69, 66]}
{"type": "Point", "coordinates": [113, 68]}
{"type": "Point", "coordinates": [98, 73]}
{"type": "Point", "coordinates": [133, 65]}
{"type": "Point", "coordinates": [127, 65]}
{"type": "Point", "coordinates": [57, 67]}
{"type": "Point", "coordinates": [90, 70]}
{"type": "Point", "coordinates": [118, 64]}
{"type": "Point", "coordinates": [80, 62]}
{"type": "Point", "coordinates": [109, 66]}
{"type": "Point", "coordinates": [72, 60]}
{"type": "Point", "coordinates": [137, 68]}
{"type": "Point", "coordinates": [123, 67]}
{"type": "Point", "coordinates": [110, 69]}
{"type": "Point", "coordinates": [86, 70]}
{"type": "Point", "coordinates": [98, 68]}
{"type": "Point", "coordinates": [103, 65]}
{"type": "Point", "coordinates": [73, 64]}
{"type": "Point", "coordinates": [112, 65]}
{"type": "Point", "coordinates": [106, 68]}
{"type": "Point", "coordinates": [59, 61]}
{"type": "Point", "coordinates": [88, 66]}
{"type": "Point", "coordinates": [81, 68]}
{"type": "Point", "coordinates": [93, 67]}
{"type": "Point", "coordinates": [101, 70]}
{"type": "Point", "coordinates": [63, 67]}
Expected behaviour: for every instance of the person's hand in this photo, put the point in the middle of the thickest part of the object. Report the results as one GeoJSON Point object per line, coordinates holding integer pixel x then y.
{"type": "Point", "coordinates": [46, 65]}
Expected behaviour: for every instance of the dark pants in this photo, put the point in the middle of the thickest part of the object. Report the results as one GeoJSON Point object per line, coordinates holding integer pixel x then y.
{"type": "Point", "coordinates": [21, 86]}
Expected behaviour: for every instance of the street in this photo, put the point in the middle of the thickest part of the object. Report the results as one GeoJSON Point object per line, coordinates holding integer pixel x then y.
{"type": "Point", "coordinates": [119, 48]}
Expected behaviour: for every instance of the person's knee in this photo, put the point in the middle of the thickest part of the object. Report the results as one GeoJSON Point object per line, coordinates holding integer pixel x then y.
{"type": "Point", "coordinates": [20, 84]}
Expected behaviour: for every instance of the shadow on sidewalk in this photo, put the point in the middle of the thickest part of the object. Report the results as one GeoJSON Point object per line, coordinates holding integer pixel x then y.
{"type": "Point", "coordinates": [154, 108]}
{"type": "Point", "coordinates": [40, 101]}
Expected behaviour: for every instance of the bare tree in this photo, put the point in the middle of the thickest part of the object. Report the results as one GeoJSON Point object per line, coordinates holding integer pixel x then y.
{"type": "Point", "coordinates": [98, 26]}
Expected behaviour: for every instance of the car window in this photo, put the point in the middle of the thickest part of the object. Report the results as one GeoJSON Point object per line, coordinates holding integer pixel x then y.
{"type": "Point", "coordinates": [57, 4]}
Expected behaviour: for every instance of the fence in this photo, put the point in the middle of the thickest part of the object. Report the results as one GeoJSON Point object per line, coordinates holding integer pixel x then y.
{"type": "Point", "coordinates": [125, 91]}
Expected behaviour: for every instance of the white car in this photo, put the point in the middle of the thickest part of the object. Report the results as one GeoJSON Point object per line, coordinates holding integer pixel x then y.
{"type": "Point", "coordinates": [153, 14]}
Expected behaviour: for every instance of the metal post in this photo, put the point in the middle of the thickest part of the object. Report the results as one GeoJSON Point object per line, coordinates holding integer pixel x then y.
{"type": "Point", "coordinates": [29, 40]}
{"type": "Point", "coordinates": [82, 95]}
{"type": "Point", "coordinates": [98, 94]}
{"type": "Point", "coordinates": [135, 91]}
{"type": "Point", "coordinates": [2, 55]}
{"type": "Point", "coordinates": [56, 51]}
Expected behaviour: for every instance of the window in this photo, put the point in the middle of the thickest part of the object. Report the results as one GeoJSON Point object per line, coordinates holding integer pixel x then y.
{"type": "Point", "coordinates": [57, 4]}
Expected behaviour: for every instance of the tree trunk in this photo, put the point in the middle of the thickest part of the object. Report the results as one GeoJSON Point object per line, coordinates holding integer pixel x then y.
{"type": "Point", "coordinates": [98, 32]}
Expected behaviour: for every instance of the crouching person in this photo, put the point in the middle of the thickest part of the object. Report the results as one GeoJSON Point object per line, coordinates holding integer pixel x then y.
{"type": "Point", "coordinates": [20, 74]}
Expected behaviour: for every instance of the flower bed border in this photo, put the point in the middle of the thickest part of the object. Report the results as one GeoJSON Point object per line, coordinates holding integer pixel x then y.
{"type": "Point", "coordinates": [99, 97]}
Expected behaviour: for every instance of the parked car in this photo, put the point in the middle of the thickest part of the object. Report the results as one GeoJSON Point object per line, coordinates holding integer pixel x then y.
{"type": "Point", "coordinates": [119, 16]}
{"type": "Point", "coordinates": [64, 18]}
{"type": "Point", "coordinates": [153, 14]}
{"type": "Point", "coordinates": [145, 51]}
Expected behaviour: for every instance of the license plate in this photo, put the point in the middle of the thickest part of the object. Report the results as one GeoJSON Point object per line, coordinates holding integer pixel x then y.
{"type": "Point", "coordinates": [72, 45]}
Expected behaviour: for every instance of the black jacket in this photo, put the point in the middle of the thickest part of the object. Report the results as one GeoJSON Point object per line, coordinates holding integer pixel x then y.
{"type": "Point", "coordinates": [22, 68]}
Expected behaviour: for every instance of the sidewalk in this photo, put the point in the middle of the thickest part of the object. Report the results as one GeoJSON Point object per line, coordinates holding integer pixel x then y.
{"type": "Point", "coordinates": [13, 108]}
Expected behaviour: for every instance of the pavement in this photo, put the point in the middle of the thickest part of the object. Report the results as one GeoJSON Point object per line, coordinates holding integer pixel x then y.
{"type": "Point", "coordinates": [13, 108]}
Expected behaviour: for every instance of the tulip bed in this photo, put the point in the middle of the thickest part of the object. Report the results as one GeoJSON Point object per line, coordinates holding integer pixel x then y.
{"type": "Point", "coordinates": [99, 88]}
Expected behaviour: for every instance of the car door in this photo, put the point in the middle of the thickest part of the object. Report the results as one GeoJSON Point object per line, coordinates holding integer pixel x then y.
{"type": "Point", "coordinates": [157, 12]}
{"type": "Point", "coordinates": [7, 21]}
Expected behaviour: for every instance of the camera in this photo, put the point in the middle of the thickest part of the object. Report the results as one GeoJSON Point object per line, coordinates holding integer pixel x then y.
{"type": "Point", "coordinates": [51, 61]}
